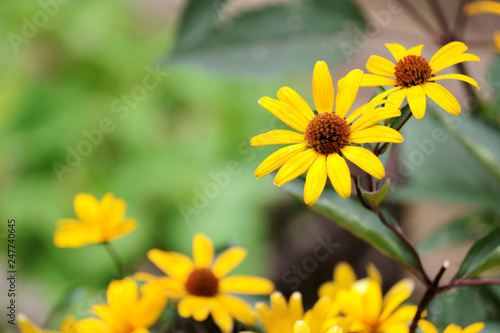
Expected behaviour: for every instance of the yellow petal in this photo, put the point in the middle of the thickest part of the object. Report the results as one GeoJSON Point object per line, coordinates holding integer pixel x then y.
{"type": "Point", "coordinates": [285, 113]}
{"type": "Point", "coordinates": [113, 209]}
{"type": "Point", "coordinates": [301, 327]}
{"type": "Point", "coordinates": [395, 296]}
{"type": "Point", "coordinates": [374, 274]}
{"type": "Point", "coordinates": [370, 80]}
{"type": "Point", "coordinates": [474, 328]}
{"type": "Point", "coordinates": [278, 158]}
{"type": "Point", "coordinates": [86, 207]}
{"type": "Point", "coordinates": [242, 284]}
{"type": "Point", "coordinates": [190, 305]}
{"type": "Point", "coordinates": [376, 115]}
{"type": "Point", "coordinates": [221, 317]}
{"type": "Point", "coordinates": [450, 54]}
{"type": "Point", "coordinates": [347, 92]}
{"type": "Point", "coordinates": [175, 265]}
{"type": "Point", "coordinates": [386, 93]}
{"type": "Point", "coordinates": [372, 300]}
{"type": "Point", "coordinates": [238, 308]}
{"type": "Point", "coordinates": [397, 97]}
{"type": "Point", "coordinates": [71, 233]}
{"type": "Point", "coordinates": [365, 108]}
{"type": "Point", "coordinates": [68, 325]}
{"type": "Point", "coordinates": [481, 7]}
{"type": "Point", "coordinates": [228, 260]}
{"type": "Point", "coordinates": [417, 101]}
{"type": "Point", "coordinates": [278, 303]}
{"type": "Point", "coordinates": [364, 159]}
{"type": "Point", "coordinates": [203, 251]}
{"type": "Point", "coordinates": [26, 326]}
{"type": "Point", "coordinates": [122, 297]}
{"type": "Point", "coordinates": [339, 174]}
{"type": "Point", "coordinates": [315, 180]}
{"type": "Point", "coordinates": [344, 275]}
{"type": "Point", "coordinates": [380, 66]}
{"type": "Point", "coordinates": [104, 312]}
{"type": "Point", "coordinates": [295, 166]}
{"type": "Point", "coordinates": [323, 92]}
{"type": "Point", "coordinates": [277, 137]}
{"type": "Point", "coordinates": [352, 304]}
{"type": "Point", "coordinates": [442, 97]}
{"type": "Point", "coordinates": [296, 102]}
{"type": "Point", "coordinates": [377, 133]}
{"type": "Point", "coordinates": [403, 315]}
{"type": "Point", "coordinates": [148, 309]}
{"type": "Point", "coordinates": [417, 50]}
{"type": "Point", "coordinates": [452, 328]}
{"type": "Point", "coordinates": [89, 325]}
{"type": "Point", "coordinates": [397, 51]}
{"type": "Point", "coordinates": [121, 230]}
{"type": "Point", "coordinates": [426, 326]}
{"type": "Point", "coordinates": [456, 77]}
{"type": "Point", "coordinates": [295, 307]}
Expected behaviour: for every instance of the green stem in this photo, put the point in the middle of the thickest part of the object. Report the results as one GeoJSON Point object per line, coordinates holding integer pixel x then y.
{"type": "Point", "coordinates": [115, 258]}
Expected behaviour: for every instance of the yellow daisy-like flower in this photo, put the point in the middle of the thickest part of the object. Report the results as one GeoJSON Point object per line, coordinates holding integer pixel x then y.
{"type": "Point", "coordinates": [372, 313]}
{"type": "Point", "coordinates": [344, 278]}
{"type": "Point", "coordinates": [326, 138]}
{"type": "Point", "coordinates": [428, 327]}
{"type": "Point", "coordinates": [485, 7]}
{"type": "Point", "coordinates": [290, 318]}
{"type": "Point", "coordinates": [69, 325]}
{"type": "Point", "coordinates": [98, 222]}
{"type": "Point", "coordinates": [414, 77]}
{"type": "Point", "coordinates": [127, 310]}
{"type": "Point", "coordinates": [203, 286]}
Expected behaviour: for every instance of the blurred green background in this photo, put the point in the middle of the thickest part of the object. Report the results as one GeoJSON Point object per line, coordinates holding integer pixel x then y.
{"type": "Point", "coordinates": [176, 143]}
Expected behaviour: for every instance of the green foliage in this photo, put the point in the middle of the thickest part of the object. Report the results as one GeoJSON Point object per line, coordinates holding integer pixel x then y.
{"type": "Point", "coordinates": [376, 197]}
{"type": "Point", "coordinates": [266, 41]}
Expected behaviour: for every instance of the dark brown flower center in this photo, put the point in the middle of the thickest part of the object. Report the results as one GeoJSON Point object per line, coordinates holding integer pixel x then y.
{"type": "Point", "coordinates": [327, 133]}
{"type": "Point", "coordinates": [202, 282]}
{"type": "Point", "coordinates": [412, 71]}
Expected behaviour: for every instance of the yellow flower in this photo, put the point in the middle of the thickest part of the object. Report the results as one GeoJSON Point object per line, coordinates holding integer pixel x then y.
{"type": "Point", "coordinates": [371, 313]}
{"type": "Point", "coordinates": [202, 285]}
{"type": "Point", "coordinates": [344, 278]}
{"type": "Point", "coordinates": [127, 311]}
{"type": "Point", "coordinates": [324, 139]}
{"type": "Point", "coordinates": [481, 7]}
{"type": "Point", "coordinates": [414, 77]}
{"type": "Point", "coordinates": [98, 222]}
{"type": "Point", "coordinates": [25, 326]}
{"type": "Point", "coordinates": [427, 327]}
{"type": "Point", "coordinates": [290, 318]}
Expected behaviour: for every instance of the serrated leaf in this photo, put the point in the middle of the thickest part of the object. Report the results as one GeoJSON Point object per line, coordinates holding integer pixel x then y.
{"type": "Point", "coordinates": [270, 40]}
{"type": "Point", "coordinates": [483, 255]}
{"type": "Point", "coordinates": [376, 197]}
{"type": "Point", "coordinates": [350, 215]}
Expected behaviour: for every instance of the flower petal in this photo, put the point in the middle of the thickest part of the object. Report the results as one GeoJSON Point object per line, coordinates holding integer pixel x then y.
{"type": "Point", "coordinates": [395, 296]}
{"type": "Point", "coordinates": [295, 306]}
{"type": "Point", "coordinates": [121, 229]}
{"type": "Point", "coordinates": [380, 66]}
{"type": "Point", "coordinates": [71, 233]}
{"type": "Point", "coordinates": [474, 328]}
{"type": "Point", "coordinates": [86, 208]}
{"type": "Point", "coordinates": [370, 80]}
{"type": "Point", "coordinates": [452, 328]}
{"type": "Point", "coordinates": [315, 180]}
{"type": "Point", "coordinates": [190, 305]}
{"type": "Point", "coordinates": [374, 116]}
{"type": "Point", "coordinates": [203, 251]}
{"type": "Point", "coordinates": [417, 50]}
{"type": "Point", "coordinates": [148, 309]}
{"type": "Point", "coordinates": [322, 86]}
{"type": "Point", "coordinates": [442, 97]}
{"type": "Point", "coordinates": [221, 317]}
{"type": "Point", "coordinates": [26, 326]}
{"type": "Point", "coordinates": [364, 159]}
{"type": "Point", "coordinates": [451, 54]}
{"type": "Point", "coordinates": [295, 166]}
{"type": "Point", "coordinates": [397, 97]}
{"type": "Point", "coordinates": [456, 77]}
{"type": "Point", "coordinates": [122, 297]}
{"type": "Point", "coordinates": [377, 133]}
{"type": "Point", "coordinates": [397, 51]}
{"type": "Point", "coordinates": [347, 92]}
{"type": "Point", "coordinates": [344, 275]}
{"type": "Point", "coordinates": [238, 308]}
{"type": "Point", "coordinates": [278, 158]}
{"type": "Point", "coordinates": [242, 284]}
{"type": "Point", "coordinates": [228, 260]}
{"type": "Point", "coordinates": [285, 113]}
{"type": "Point", "coordinates": [402, 315]}
{"type": "Point", "coordinates": [175, 265]}
{"type": "Point", "coordinates": [301, 327]}
{"type": "Point", "coordinates": [417, 101]}
{"type": "Point", "coordinates": [339, 175]}
{"type": "Point", "coordinates": [292, 98]}
{"type": "Point", "coordinates": [426, 326]}
{"type": "Point", "coordinates": [481, 7]}
{"type": "Point", "coordinates": [372, 300]}
{"type": "Point", "coordinates": [277, 137]}
{"type": "Point", "coordinates": [364, 109]}
{"type": "Point", "coordinates": [88, 325]}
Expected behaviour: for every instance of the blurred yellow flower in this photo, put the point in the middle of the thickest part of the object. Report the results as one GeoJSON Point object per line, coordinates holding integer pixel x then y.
{"type": "Point", "coordinates": [290, 318]}
{"type": "Point", "coordinates": [427, 327]}
{"type": "Point", "coordinates": [414, 77]}
{"type": "Point", "coordinates": [25, 326]}
{"type": "Point", "coordinates": [202, 285]}
{"type": "Point", "coordinates": [324, 139]}
{"type": "Point", "coordinates": [127, 311]}
{"type": "Point", "coordinates": [485, 7]}
{"type": "Point", "coordinates": [344, 278]}
{"type": "Point", "coordinates": [98, 222]}
{"type": "Point", "coordinates": [371, 313]}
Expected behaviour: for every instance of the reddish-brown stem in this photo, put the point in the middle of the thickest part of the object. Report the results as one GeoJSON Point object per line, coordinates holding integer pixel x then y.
{"type": "Point", "coordinates": [464, 283]}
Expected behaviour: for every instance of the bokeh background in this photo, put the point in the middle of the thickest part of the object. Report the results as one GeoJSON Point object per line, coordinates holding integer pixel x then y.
{"type": "Point", "coordinates": [156, 101]}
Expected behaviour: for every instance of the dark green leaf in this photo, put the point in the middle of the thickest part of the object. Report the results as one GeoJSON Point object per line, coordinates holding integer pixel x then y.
{"type": "Point", "coordinates": [375, 198]}
{"type": "Point", "coordinates": [269, 40]}
{"type": "Point", "coordinates": [484, 255]}
{"type": "Point", "coordinates": [349, 214]}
